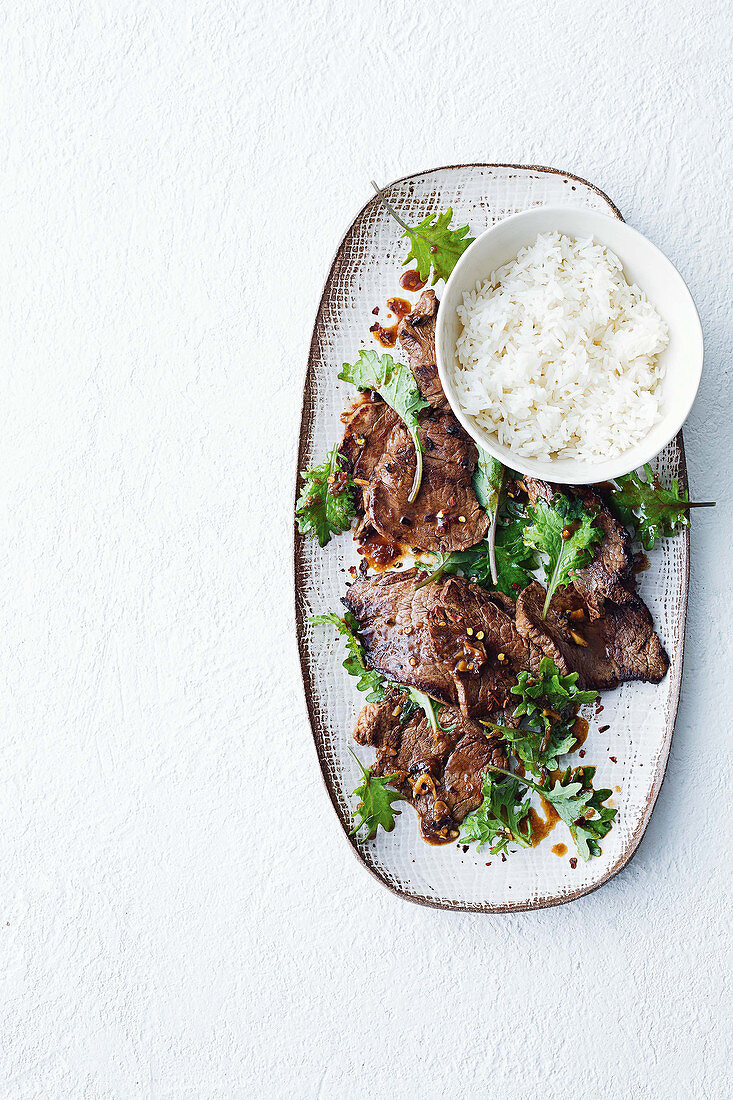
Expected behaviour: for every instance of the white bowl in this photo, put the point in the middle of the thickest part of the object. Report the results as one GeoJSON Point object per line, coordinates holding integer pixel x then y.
{"type": "Point", "coordinates": [644, 265]}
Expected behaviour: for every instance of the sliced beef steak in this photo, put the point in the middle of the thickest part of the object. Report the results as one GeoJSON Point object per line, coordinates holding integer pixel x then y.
{"type": "Point", "coordinates": [445, 515]}
{"type": "Point", "coordinates": [379, 450]}
{"type": "Point", "coordinates": [448, 638]}
{"type": "Point", "coordinates": [416, 334]}
{"type": "Point", "coordinates": [539, 490]}
{"type": "Point", "coordinates": [620, 645]}
{"type": "Point", "coordinates": [610, 575]}
{"type": "Point", "coordinates": [442, 775]}
{"type": "Point", "coordinates": [368, 426]}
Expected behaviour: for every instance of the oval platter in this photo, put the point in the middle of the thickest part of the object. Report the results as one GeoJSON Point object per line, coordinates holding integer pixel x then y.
{"type": "Point", "coordinates": [631, 754]}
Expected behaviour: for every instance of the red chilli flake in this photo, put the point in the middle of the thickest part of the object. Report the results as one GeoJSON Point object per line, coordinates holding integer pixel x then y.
{"type": "Point", "coordinates": [602, 729]}
{"type": "Point", "coordinates": [581, 753]}
{"type": "Point", "coordinates": [574, 862]}
{"type": "Point", "coordinates": [375, 311]}
{"type": "Point", "coordinates": [613, 758]}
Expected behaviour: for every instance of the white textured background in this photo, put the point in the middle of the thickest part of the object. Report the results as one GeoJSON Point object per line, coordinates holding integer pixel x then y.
{"type": "Point", "coordinates": [180, 915]}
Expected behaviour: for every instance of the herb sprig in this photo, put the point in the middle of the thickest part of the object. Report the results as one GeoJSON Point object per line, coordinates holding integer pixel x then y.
{"type": "Point", "coordinates": [375, 805]}
{"type": "Point", "coordinates": [565, 532]}
{"type": "Point", "coordinates": [368, 679]}
{"type": "Point", "coordinates": [325, 505]}
{"type": "Point", "coordinates": [548, 705]}
{"type": "Point", "coordinates": [651, 511]}
{"type": "Point", "coordinates": [395, 384]}
{"type": "Point", "coordinates": [374, 683]}
{"type": "Point", "coordinates": [488, 480]}
{"type": "Point", "coordinates": [434, 245]}
{"type": "Point", "coordinates": [501, 819]}
{"type": "Point", "coordinates": [577, 804]}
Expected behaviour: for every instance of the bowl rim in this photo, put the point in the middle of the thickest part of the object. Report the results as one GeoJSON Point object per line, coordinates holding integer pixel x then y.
{"type": "Point", "coordinates": [584, 474]}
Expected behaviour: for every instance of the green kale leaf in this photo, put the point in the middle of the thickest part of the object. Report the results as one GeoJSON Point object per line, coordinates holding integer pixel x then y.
{"type": "Point", "coordinates": [326, 502]}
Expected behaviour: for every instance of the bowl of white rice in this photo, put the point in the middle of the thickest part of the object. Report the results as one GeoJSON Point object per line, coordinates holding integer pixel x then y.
{"type": "Point", "coordinates": [568, 345]}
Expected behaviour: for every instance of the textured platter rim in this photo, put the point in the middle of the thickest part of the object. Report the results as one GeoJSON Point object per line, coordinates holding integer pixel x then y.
{"type": "Point", "coordinates": [308, 676]}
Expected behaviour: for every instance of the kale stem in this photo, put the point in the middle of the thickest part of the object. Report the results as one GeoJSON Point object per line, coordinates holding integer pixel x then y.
{"type": "Point", "coordinates": [434, 576]}
{"type": "Point", "coordinates": [418, 469]}
{"type": "Point", "coordinates": [391, 209]}
{"type": "Point", "coordinates": [492, 533]}
{"type": "Point", "coordinates": [521, 778]}
{"type": "Point", "coordinates": [553, 579]}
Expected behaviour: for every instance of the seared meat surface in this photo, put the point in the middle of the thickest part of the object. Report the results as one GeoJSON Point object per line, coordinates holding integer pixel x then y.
{"type": "Point", "coordinates": [441, 774]}
{"type": "Point", "coordinates": [461, 645]}
{"type": "Point", "coordinates": [620, 645]}
{"type": "Point", "coordinates": [446, 515]}
{"type": "Point", "coordinates": [368, 426]}
{"type": "Point", "coordinates": [449, 639]}
{"type": "Point", "coordinates": [609, 576]}
{"type": "Point", "coordinates": [416, 334]}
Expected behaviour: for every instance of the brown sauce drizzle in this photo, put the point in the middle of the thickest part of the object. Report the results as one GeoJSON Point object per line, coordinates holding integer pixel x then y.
{"type": "Point", "coordinates": [387, 337]}
{"type": "Point", "coordinates": [542, 826]}
{"type": "Point", "coordinates": [379, 551]}
{"type": "Point", "coordinates": [580, 732]}
{"type": "Point", "coordinates": [399, 306]}
{"type": "Point", "coordinates": [411, 281]}
{"type": "Point", "coordinates": [640, 563]}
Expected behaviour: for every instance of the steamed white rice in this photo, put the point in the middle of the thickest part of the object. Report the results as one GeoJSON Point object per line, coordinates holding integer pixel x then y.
{"type": "Point", "coordinates": [558, 353]}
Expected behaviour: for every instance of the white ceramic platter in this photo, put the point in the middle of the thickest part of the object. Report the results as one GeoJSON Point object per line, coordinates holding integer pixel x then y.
{"type": "Point", "coordinates": [631, 755]}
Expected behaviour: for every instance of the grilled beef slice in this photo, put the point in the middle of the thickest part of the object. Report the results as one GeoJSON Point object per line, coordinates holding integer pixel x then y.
{"type": "Point", "coordinates": [446, 514]}
{"type": "Point", "coordinates": [620, 645]}
{"type": "Point", "coordinates": [441, 774]}
{"type": "Point", "coordinates": [449, 639]}
{"type": "Point", "coordinates": [609, 576]}
{"type": "Point", "coordinates": [367, 427]}
{"type": "Point", "coordinates": [416, 334]}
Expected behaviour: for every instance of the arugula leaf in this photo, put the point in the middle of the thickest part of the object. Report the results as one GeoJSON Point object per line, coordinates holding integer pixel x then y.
{"type": "Point", "coordinates": [514, 558]}
{"type": "Point", "coordinates": [549, 689]}
{"type": "Point", "coordinates": [650, 510]}
{"type": "Point", "coordinates": [549, 704]}
{"type": "Point", "coordinates": [395, 384]}
{"type": "Point", "coordinates": [431, 709]}
{"type": "Point", "coordinates": [536, 745]}
{"type": "Point", "coordinates": [326, 503]}
{"type": "Point", "coordinates": [498, 820]}
{"type": "Point", "coordinates": [546, 533]}
{"type": "Point", "coordinates": [573, 797]}
{"type": "Point", "coordinates": [433, 244]}
{"type": "Point", "coordinates": [375, 802]}
{"type": "Point", "coordinates": [369, 679]}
